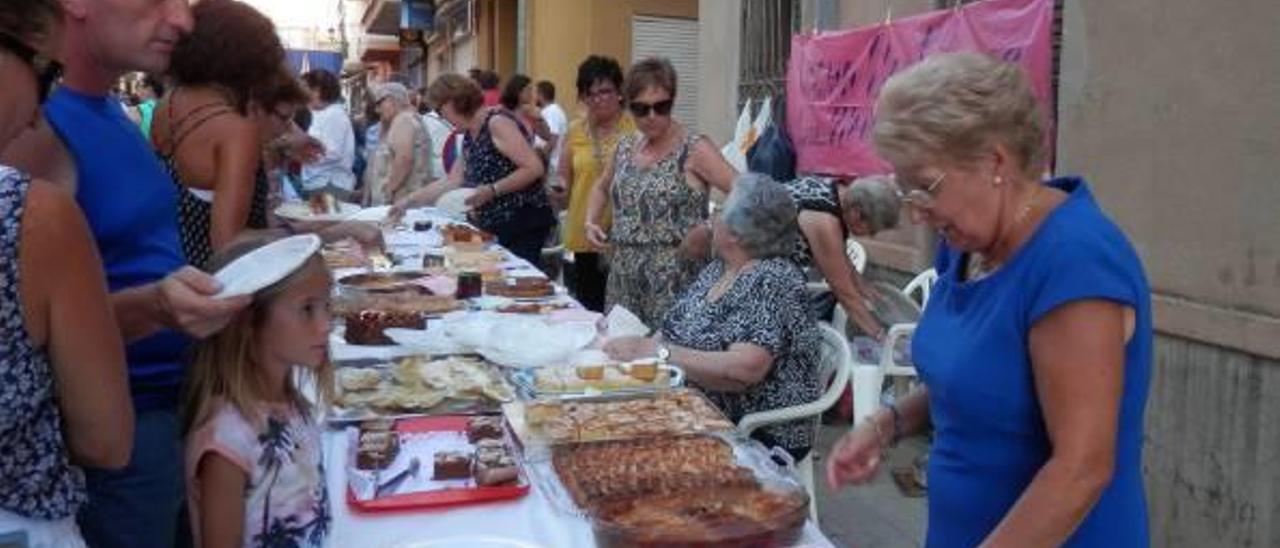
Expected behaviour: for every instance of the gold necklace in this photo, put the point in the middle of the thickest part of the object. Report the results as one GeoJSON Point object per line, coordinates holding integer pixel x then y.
{"type": "Point", "coordinates": [979, 265]}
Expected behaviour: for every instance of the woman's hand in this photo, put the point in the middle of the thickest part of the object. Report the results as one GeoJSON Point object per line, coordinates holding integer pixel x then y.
{"type": "Point", "coordinates": [596, 236]}
{"type": "Point", "coordinates": [856, 457]}
{"type": "Point", "coordinates": [300, 147]}
{"type": "Point", "coordinates": [481, 196]}
{"type": "Point", "coordinates": [631, 348]}
{"type": "Point", "coordinates": [696, 245]}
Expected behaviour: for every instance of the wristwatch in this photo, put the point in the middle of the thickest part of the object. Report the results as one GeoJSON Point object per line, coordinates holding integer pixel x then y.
{"type": "Point", "coordinates": [664, 353]}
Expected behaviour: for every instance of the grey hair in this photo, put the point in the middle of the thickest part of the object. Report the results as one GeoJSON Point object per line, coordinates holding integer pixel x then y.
{"type": "Point", "coordinates": [762, 215]}
{"type": "Point", "coordinates": [876, 200]}
{"type": "Point", "coordinates": [952, 106]}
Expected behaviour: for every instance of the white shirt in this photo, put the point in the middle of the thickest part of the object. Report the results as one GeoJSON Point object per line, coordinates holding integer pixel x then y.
{"type": "Point", "coordinates": [332, 127]}
{"type": "Point", "coordinates": [438, 129]}
{"type": "Point", "coordinates": [559, 125]}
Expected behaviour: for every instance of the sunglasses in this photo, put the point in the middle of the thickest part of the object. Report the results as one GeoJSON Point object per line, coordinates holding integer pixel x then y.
{"type": "Point", "coordinates": [660, 108]}
{"type": "Point", "coordinates": [47, 70]}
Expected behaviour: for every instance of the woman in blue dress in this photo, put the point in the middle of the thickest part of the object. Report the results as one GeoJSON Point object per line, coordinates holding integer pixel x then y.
{"type": "Point", "coordinates": [1035, 348]}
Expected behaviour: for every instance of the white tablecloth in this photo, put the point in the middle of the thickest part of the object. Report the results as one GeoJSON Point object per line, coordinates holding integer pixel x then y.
{"type": "Point", "coordinates": [532, 520]}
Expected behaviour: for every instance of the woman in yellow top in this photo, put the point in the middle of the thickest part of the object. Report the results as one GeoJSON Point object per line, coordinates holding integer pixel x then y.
{"type": "Point", "coordinates": [589, 144]}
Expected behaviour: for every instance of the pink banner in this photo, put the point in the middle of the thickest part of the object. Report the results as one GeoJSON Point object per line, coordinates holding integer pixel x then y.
{"type": "Point", "coordinates": [835, 78]}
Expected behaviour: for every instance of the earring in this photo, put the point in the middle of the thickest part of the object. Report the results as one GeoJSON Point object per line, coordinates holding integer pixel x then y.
{"type": "Point", "coordinates": [998, 181]}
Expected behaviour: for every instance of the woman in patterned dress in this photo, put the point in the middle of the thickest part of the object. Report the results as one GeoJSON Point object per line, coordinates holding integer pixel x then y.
{"type": "Point", "coordinates": [830, 214]}
{"type": "Point", "coordinates": [657, 187]}
{"type": "Point", "coordinates": [64, 397]}
{"type": "Point", "coordinates": [742, 331]}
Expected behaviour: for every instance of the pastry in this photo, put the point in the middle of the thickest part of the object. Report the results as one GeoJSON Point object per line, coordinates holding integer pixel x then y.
{"type": "Point", "coordinates": [521, 288]}
{"type": "Point", "coordinates": [663, 414]}
{"type": "Point", "coordinates": [590, 372]}
{"type": "Point", "coordinates": [359, 379]}
{"type": "Point", "coordinates": [367, 326]}
{"type": "Point", "coordinates": [322, 204]}
{"type": "Point", "coordinates": [465, 237]}
{"type": "Point", "coordinates": [484, 428]}
{"type": "Point", "coordinates": [377, 449]}
{"type": "Point", "coordinates": [494, 464]}
{"type": "Point", "coordinates": [709, 518]}
{"type": "Point", "coordinates": [644, 371]}
{"type": "Point", "coordinates": [599, 473]}
{"type": "Point", "coordinates": [451, 465]}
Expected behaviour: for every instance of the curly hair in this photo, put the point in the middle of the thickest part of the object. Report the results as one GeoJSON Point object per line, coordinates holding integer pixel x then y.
{"type": "Point", "coordinates": [326, 83]}
{"type": "Point", "coordinates": [281, 89]}
{"type": "Point", "coordinates": [233, 46]}
{"type": "Point", "coordinates": [463, 92]}
{"type": "Point", "coordinates": [512, 91]}
{"type": "Point", "coordinates": [30, 21]}
{"type": "Point", "coordinates": [598, 68]}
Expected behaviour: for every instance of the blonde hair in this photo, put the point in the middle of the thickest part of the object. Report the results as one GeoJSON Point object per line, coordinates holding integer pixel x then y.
{"type": "Point", "coordinates": [950, 107]}
{"type": "Point", "coordinates": [224, 366]}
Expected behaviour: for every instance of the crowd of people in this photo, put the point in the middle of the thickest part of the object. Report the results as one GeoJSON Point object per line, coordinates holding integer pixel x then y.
{"type": "Point", "coordinates": [140, 409]}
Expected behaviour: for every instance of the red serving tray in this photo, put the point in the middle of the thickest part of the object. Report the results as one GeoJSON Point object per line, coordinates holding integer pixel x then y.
{"type": "Point", "coordinates": [445, 497]}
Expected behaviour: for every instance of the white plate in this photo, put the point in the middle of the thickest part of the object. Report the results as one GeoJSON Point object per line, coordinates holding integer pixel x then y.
{"type": "Point", "coordinates": [371, 214]}
{"type": "Point", "coordinates": [491, 302]}
{"type": "Point", "coordinates": [454, 201]}
{"type": "Point", "coordinates": [470, 541]}
{"type": "Point", "coordinates": [266, 265]}
{"type": "Point", "coordinates": [301, 211]}
{"type": "Point", "coordinates": [521, 342]}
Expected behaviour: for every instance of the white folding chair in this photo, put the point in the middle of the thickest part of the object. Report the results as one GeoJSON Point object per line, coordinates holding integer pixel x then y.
{"type": "Point", "coordinates": [857, 257]}
{"type": "Point", "coordinates": [922, 284]}
{"type": "Point", "coordinates": [833, 372]}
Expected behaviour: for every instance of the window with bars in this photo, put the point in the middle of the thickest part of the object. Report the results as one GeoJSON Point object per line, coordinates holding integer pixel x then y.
{"type": "Point", "coordinates": [765, 47]}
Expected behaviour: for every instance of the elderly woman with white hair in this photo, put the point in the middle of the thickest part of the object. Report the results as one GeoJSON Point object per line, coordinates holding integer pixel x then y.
{"type": "Point", "coordinates": [830, 213]}
{"type": "Point", "coordinates": [742, 331]}
{"type": "Point", "coordinates": [402, 162]}
{"type": "Point", "coordinates": [1035, 349]}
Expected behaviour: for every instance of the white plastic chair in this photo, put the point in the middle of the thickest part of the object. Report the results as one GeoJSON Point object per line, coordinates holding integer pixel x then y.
{"type": "Point", "coordinates": [922, 284]}
{"type": "Point", "coordinates": [833, 372]}
{"type": "Point", "coordinates": [857, 257]}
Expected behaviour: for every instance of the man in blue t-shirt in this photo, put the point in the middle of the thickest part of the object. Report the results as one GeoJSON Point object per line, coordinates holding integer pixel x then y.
{"type": "Point", "coordinates": [131, 205]}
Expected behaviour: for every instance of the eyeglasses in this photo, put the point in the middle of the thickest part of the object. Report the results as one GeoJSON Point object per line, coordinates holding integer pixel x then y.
{"type": "Point", "coordinates": [660, 108]}
{"type": "Point", "coordinates": [601, 94]}
{"type": "Point", "coordinates": [924, 198]}
{"type": "Point", "coordinates": [47, 70]}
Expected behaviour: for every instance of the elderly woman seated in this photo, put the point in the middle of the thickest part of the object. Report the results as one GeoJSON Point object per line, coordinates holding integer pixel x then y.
{"type": "Point", "coordinates": [741, 331]}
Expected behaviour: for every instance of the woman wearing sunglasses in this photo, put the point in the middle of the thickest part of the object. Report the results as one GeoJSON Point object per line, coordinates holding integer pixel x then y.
{"type": "Point", "coordinates": [64, 397]}
{"type": "Point", "coordinates": [657, 187]}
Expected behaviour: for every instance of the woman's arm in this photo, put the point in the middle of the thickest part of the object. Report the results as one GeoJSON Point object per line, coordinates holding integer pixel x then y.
{"type": "Point", "coordinates": [597, 201]}
{"type": "Point", "coordinates": [400, 139]}
{"type": "Point", "coordinates": [429, 194]}
{"type": "Point", "coordinates": [856, 457]}
{"type": "Point", "coordinates": [709, 165]}
{"type": "Point", "coordinates": [67, 311]}
{"type": "Point", "coordinates": [826, 242]}
{"type": "Point", "coordinates": [511, 143]}
{"type": "Point", "coordinates": [1077, 359]}
{"type": "Point", "coordinates": [740, 367]}
{"type": "Point", "coordinates": [222, 502]}
{"type": "Point", "coordinates": [564, 176]}
{"type": "Point", "coordinates": [236, 160]}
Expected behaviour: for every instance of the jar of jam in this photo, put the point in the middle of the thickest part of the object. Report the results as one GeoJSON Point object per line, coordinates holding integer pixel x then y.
{"type": "Point", "coordinates": [470, 285]}
{"type": "Point", "coordinates": [431, 260]}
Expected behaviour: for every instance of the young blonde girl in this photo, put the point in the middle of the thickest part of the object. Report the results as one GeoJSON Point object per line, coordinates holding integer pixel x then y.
{"type": "Point", "coordinates": [254, 466]}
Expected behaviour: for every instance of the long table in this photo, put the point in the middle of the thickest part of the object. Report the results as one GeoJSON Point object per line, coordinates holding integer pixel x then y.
{"type": "Point", "coordinates": [531, 521]}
